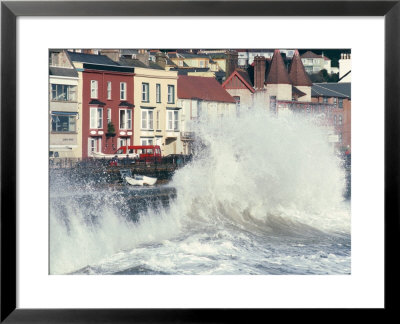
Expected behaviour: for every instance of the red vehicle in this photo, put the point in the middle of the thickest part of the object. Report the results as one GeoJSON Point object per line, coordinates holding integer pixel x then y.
{"type": "Point", "coordinates": [146, 153]}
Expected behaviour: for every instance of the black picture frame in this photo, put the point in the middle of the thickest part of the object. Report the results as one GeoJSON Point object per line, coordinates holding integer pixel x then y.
{"type": "Point", "coordinates": [10, 10]}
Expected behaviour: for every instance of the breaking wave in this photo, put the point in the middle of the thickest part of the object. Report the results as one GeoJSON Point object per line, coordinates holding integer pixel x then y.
{"type": "Point", "coordinates": [254, 181]}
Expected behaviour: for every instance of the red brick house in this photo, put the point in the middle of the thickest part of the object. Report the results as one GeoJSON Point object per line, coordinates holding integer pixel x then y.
{"type": "Point", "coordinates": [107, 103]}
{"type": "Point", "coordinates": [338, 95]}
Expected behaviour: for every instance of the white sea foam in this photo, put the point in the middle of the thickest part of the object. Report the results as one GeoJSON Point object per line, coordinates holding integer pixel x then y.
{"type": "Point", "coordinates": [257, 177]}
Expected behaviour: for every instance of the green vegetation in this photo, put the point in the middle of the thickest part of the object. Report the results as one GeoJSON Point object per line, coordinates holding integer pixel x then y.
{"type": "Point", "coordinates": [323, 76]}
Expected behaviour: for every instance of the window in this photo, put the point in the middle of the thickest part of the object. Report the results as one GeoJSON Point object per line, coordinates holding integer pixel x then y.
{"type": "Point", "coordinates": [171, 94]}
{"type": "Point", "coordinates": [122, 90]}
{"type": "Point", "coordinates": [108, 115]}
{"type": "Point", "coordinates": [340, 119]}
{"type": "Point", "coordinates": [63, 123]}
{"type": "Point", "coordinates": [94, 145]}
{"type": "Point", "coordinates": [325, 99]}
{"type": "Point", "coordinates": [201, 64]}
{"type": "Point", "coordinates": [147, 119]}
{"type": "Point", "coordinates": [335, 101]}
{"type": "Point", "coordinates": [340, 102]}
{"type": "Point", "coordinates": [158, 92]}
{"type": "Point", "coordinates": [158, 120]}
{"type": "Point", "coordinates": [334, 120]}
{"type": "Point", "coordinates": [176, 120]}
{"type": "Point", "coordinates": [145, 92]}
{"type": "Point", "coordinates": [125, 119]}
{"type": "Point", "coordinates": [146, 141]}
{"type": "Point", "coordinates": [123, 142]}
{"type": "Point", "coordinates": [96, 117]}
{"type": "Point", "coordinates": [109, 90]}
{"type": "Point", "coordinates": [93, 89]}
{"type": "Point", "coordinates": [173, 121]}
{"type": "Point", "coordinates": [63, 92]}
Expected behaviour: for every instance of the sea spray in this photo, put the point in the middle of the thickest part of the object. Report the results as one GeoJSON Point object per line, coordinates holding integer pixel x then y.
{"type": "Point", "coordinates": [260, 165]}
{"type": "Point", "coordinates": [254, 181]}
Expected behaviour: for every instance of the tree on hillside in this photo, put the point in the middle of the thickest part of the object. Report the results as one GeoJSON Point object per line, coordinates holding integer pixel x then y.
{"type": "Point", "coordinates": [323, 76]}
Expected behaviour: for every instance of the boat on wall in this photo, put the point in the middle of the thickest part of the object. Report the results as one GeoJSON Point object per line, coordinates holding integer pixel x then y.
{"type": "Point", "coordinates": [140, 180]}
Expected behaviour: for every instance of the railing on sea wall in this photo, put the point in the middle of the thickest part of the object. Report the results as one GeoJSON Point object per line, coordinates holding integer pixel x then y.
{"type": "Point", "coordinates": [67, 163]}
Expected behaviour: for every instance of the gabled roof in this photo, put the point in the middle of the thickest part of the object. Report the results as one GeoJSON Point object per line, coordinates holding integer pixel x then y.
{"type": "Point", "coordinates": [297, 73]}
{"type": "Point", "coordinates": [91, 58]}
{"type": "Point", "coordinates": [310, 54]}
{"type": "Point", "coordinates": [243, 76]}
{"type": "Point", "coordinates": [340, 90]}
{"type": "Point", "coordinates": [57, 71]}
{"type": "Point", "coordinates": [277, 73]}
{"type": "Point", "coordinates": [209, 89]}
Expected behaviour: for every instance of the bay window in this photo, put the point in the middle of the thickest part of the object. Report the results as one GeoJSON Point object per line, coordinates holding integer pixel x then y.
{"type": "Point", "coordinates": [125, 119]}
{"type": "Point", "coordinates": [147, 119]}
{"type": "Point", "coordinates": [63, 122]}
{"type": "Point", "coordinates": [63, 92]}
{"type": "Point", "coordinates": [96, 117]}
{"type": "Point", "coordinates": [172, 120]}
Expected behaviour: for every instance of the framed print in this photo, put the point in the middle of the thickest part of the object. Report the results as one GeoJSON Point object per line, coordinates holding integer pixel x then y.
{"type": "Point", "coordinates": [263, 227]}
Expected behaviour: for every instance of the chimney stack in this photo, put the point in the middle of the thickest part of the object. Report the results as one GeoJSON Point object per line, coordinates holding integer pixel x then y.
{"type": "Point", "coordinates": [259, 72]}
{"type": "Point", "coordinates": [113, 54]}
{"type": "Point", "coordinates": [143, 56]}
{"type": "Point", "coordinates": [161, 59]}
{"type": "Point", "coordinates": [231, 62]}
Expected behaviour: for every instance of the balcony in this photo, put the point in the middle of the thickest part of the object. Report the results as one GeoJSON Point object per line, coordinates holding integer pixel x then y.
{"type": "Point", "coordinates": [187, 136]}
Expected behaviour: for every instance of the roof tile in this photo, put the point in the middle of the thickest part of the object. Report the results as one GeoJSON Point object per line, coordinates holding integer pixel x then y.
{"type": "Point", "coordinates": [297, 73]}
{"type": "Point", "coordinates": [209, 89]}
{"type": "Point", "coordinates": [277, 73]}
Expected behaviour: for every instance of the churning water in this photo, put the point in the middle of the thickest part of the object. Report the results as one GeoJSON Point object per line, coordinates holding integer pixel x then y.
{"type": "Point", "coordinates": [263, 195]}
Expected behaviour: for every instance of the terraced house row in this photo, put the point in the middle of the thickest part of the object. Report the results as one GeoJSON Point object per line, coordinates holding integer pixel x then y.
{"type": "Point", "coordinates": [98, 104]}
{"type": "Point", "coordinates": [100, 101]}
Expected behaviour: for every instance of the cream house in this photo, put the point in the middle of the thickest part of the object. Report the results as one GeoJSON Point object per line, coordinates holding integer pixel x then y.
{"type": "Point", "coordinates": [156, 114]}
{"type": "Point", "coordinates": [64, 103]}
{"type": "Point", "coordinates": [201, 98]}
